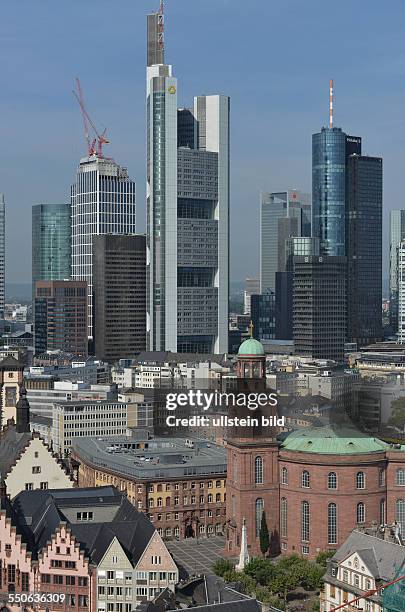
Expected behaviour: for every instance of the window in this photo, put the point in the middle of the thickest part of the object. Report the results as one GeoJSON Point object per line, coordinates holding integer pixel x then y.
{"type": "Point", "coordinates": [82, 581]}
{"type": "Point", "coordinates": [71, 580]}
{"type": "Point", "coordinates": [235, 468]}
{"type": "Point", "coordinates": [381, 478]}
{"type": "Point", "coordinates": [283, 517]}
{"type": "Point", "coordinates": [259, 470]}
{"type": "Point", "coordinates": [29, 486]}
{"type": "Point", "coordinates": [46, 578]}
{"type": "Point", "coordinates": [360, 480]}
{"type": "Point", "coordinates": [360, 513]}
{"type": "Point", "coordinates": [345, 576]}
{"type": "Point", "coordinates": [382, 512]}
{"type": "Point", "coordinates": [400, 478]}
{"type": "Point", "coordinates": [44, 485]}
{"type": "Point", "coordinates": [305, 479]}
{"type": "Point", "coordinates": [332, 523]}
{"type": "Point", "coordinates": [332, 480]}
{"type": "Point", "coordinates": [58, 579]}
{"type": "Point", "coordinates": [259, 507]}
{"type": "Point", "coordinates": [305, 521]}
{"type": "Point", "coordinates": [36, 469]}
{"type": "Point", "coordinates": [400, 513]}
{"type": "Point", "coordinates": [25, 581]}
{"type": "Point", "coordinates": [284, 476]}
{"type": "Point", "coordinates": [356, 580]}
{"type": "Point", "coordinates": [114, 559]}
{"type": "Point", "coordinates": [305, 550]}
{"type": "Point", "coordinates": [210, 498]}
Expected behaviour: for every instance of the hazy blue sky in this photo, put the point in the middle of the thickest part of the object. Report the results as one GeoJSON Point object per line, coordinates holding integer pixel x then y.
{"type": "Point", "coordinates": [274, 58]}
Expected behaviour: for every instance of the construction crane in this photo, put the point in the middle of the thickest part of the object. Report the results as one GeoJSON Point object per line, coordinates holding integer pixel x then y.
{"type": "Point", "coordinates": [95, 144]}
{"type": "Point", "coordinates": [348, 604]}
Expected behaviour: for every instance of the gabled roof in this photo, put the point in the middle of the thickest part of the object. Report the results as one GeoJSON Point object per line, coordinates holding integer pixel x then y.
{"type": "Point", "coordinates": [12, 445]}
{"type": "Point", "coordinates": [382, 558]}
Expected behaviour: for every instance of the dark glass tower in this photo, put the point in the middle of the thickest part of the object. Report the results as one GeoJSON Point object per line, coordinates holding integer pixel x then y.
{"type": "Point", "coordinates": [364, 248]}
{"type": "Point", "coordinates": [330, 150]}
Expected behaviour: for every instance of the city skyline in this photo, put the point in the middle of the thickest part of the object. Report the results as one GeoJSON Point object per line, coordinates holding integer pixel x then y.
{"type": "Point", "coordinates": [268, 154]}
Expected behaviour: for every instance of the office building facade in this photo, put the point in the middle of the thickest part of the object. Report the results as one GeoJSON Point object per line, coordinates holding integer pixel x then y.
{"type": "Point", "coordinates": [51, 243]}
{"type": "Point", "coordinates": [2, 254]}
{"type": "Point", "coordinates": [263, 315]}
{"type": "Point", "coordinates": [397, 234]}
{"type": "Point", "coordinates": [252, 286]}
{"type": "Point", "coordinates": [103, 202]}
{"type": "Point", "coordinates": [60, 317]}
{"type": "Point", "coordinates": [319, 306]}
{"type": "Point", "coordinates": [331, 148]}
{"type": "Point", "coordinates": [119, 294]}
{"type": "Point", "coordinates": [364, 249]}
{"type": "Point", "coordinates": [282, 214]}
{"type": "Point", "coordinates": [187, 213]}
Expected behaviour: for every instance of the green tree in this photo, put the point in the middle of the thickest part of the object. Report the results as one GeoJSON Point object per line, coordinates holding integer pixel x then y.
{"type": "Point", "coordinates": [324, 556]}
{"type": "Point", "coordinates": [221, 566]}
{"type": "Point", "coordinates": [397, 418]}
{"type": "Point", "coordinates": [283, 583]}
{"type": "Point", "coordinates": [264, 535]}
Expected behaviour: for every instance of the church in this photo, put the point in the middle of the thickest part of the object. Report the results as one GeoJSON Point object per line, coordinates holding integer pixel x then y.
{"type": "Point", "coordinates": [315, 486]}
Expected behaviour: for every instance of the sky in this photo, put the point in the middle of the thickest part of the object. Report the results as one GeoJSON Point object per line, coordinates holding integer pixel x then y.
{"type": "Point", "coordinates": [273, 58]}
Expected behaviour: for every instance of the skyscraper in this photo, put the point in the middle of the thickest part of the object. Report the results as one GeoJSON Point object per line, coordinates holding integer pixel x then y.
{"type": "Point", "coordinates": [103, 202]}
{"type": "Point", "coordinates": [2, 254]}
{"type": "Point", "coordinates": [51, 242]}
{"type": "Point", "coordinates": [187, 211]}
{"type": "Point", "coordinates": [401, 292]}
{"type": "Point", "coordinates": [282, 214]}
{"type": "Point", "coordinates": [319, 306]}
{"type": "Point", "coordinates": [397, 234]}
{"type": "Point", "coordinates": [119, 288]}
{"type": "Point", "coordinates": [331, 148]}
{"type": "Point", "coordinates": [252, 286]}
{"type": "Point", "coordinates": [364, 248]}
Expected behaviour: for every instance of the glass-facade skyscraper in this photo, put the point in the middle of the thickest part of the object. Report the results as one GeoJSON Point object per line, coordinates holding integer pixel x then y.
{"type": "Point", "coordinates": [331, 148]}
{"type": "Point", "coordinates": [51, 242]}
{"type": "Point", "coordinates": [397, 234]}
{"type": "Point", "coordinates": [103, 202]}
{"type": "Point", "coordinates": [2, 254]}
{"type": "Point", "coordinates": [187, 212]}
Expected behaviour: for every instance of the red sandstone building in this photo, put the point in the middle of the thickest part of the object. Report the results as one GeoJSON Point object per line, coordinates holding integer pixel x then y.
{"type": "Point", "coordinates": [315, 487]}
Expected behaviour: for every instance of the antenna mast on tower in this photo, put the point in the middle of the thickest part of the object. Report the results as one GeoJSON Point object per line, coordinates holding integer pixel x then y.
{"type": "Point", "coordinates": [331, 103]}
{"type": "Point", "coordinates": [161, 26]}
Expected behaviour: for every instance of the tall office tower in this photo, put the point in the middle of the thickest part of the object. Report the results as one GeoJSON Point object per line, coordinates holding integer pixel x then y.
{"type": "Point", "coordinates": [294, 246]}
{"type": "Point", "coordinates": [364, 248]}
{"type": "Point", "coordinates": [291, 204]}
{"type": "Point", "coordinates": [119, 290]}
{"type": "Point", "coordinates": [252, 286]}
{"type": "Point", "coordinates": [401, 292]}
{"type": "Point", "coordinates": [319, 306]}
{"type": "Point", "coordinates": [2, 254]}
{"type": "Point", "coordinates": [263, 315]}
{"type": "Point", "coordinates": [60, 317]}
{"type": "Point", "coordinates": [187, 210]}
{"type": "Point", "coordinates": [103, 202]}
{"type": "Point", "coordinates": [331, 148]}
{"type": "Point", "coordinates": [51, 243]}
{"type": "Point", "coordinates": [397, 234]}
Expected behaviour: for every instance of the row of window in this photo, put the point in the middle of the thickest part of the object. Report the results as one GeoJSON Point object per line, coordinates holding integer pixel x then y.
{"type": "Point", "coordinates": [332, 479]}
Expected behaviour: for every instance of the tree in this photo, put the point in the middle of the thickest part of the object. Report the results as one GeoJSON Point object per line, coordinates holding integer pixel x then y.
{"type": "Point", "coordinates": [264, 535]}
{"type": "Point", "coordinates": [324, 556]}
{"type": "Point", "coordinates": [221, 566]}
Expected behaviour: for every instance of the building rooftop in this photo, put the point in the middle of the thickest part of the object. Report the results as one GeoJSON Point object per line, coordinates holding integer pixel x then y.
{"type": "Point", "coordinates": [251, 347]}
{"type": "Point", "coordinates": [152, 458]}
{"type": "Point", "coordinates": [329, 440]}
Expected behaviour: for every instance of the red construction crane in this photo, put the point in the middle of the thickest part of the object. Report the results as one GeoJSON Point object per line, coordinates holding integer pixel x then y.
{"type": "Point", "coordinates": [350, 603]}
{"type": "Point", "coordinates": [95, 145]}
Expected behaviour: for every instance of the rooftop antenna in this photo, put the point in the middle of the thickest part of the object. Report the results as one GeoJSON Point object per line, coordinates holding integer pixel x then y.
{"type": "Point", "coordinates": [161, 25]}
{"type": "Point", "coordinates": [331, 103]}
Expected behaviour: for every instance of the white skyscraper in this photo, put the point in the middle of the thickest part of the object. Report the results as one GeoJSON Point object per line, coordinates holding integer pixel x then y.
{"type": "Point", "coordinates": [2, 254]}
{"type": "Point", "coordinates": [187, 212]}
{"type": "Point", "coordinates": [401, 292]}
{"type": "Point", "coordinates": [103, 202]}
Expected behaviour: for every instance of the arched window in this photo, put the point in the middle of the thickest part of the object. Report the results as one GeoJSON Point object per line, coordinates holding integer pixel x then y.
{"type": "Point", "coordinates": [235, 468]}
{"type": "Point", "coordinates": [305, 479]}
{"type": "Point", "coordinates": [332, 480]}
{"type": "Point", "coordinates": [210, 498]}
{"type": "Point", "coordinates": [382, 512]}
{"type": "Point", "coordinates": [305, 521]}
{"type": "Point", "coordinates": [332, 523]}
{"type": "Point", "coordinates": [400, 514]}
{"type": "Point", "coordinates": [284, 476]}
{"type": "Point", "coordinates": [218, 497]}
{"type": "Point", "coordinates": [361, 513]}
{"type": "Point", "coordinates": [259, 507]}
{"type": "Point", "coordinates": [360, 480]}
{"type": "Point", "coordinates": [283, 517]}
{"type": "Point", "coordinates": [259, 470]}
{"type": "Point", "coordinates": [159, 502]}
{"type": "Point", "coordinates": [400, 478]}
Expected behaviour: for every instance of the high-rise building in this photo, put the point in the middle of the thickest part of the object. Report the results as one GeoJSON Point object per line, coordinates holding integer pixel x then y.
{"type": "Point", "coordinates": [282, 214]}
{"type": "Point", "coordinates": [263, 315]}
{"type": "Point", "coordinates": [119, 293]}
{"type": "Point", "coordinates": [319, 306]}
{"type": "Point", "coordinates": [51, 243]}
{"type": "Point", "coordinates": [103, 202]}
{"type": "Point", "coordinates": [397, 234]}
{"type": "Point", "coordinates": [364, 248]}
{"type": "Point", "coordinates": [331, 148]}
{"type": "Point", "coordinates": [187, 210]}
{"type": "Point", "coordinates": [401, 292]}
{"type": "Point", "coordinates": [252, 286]}
{"type": "Point", "coordinates": [60, 317]}
{"type": "Point", "coordinates": [2, 254]}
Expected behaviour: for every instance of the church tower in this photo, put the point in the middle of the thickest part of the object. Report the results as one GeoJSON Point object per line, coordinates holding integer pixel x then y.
{"type": "Point", "coordinates": [252, 484]}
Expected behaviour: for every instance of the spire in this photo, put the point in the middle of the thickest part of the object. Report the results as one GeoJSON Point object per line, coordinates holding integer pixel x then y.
{"type": "Point", "coordinates": [331, 103]}
{"type": "Point", "coordinates": [244, 554]}
{"type": "Point", "coordinates": [23, 412]}
{"type": "Point", "coordinates": [251, 329]}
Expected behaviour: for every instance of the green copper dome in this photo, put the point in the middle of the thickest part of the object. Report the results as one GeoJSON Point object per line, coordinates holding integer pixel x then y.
{"type": "Point", "coordinates": [330, 441]}
{"type": "Point", "coordinates": [251, 347]}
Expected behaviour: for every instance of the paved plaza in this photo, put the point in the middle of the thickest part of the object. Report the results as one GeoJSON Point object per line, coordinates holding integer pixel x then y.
{"type": "Point", "coordinates": [197, 556]}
